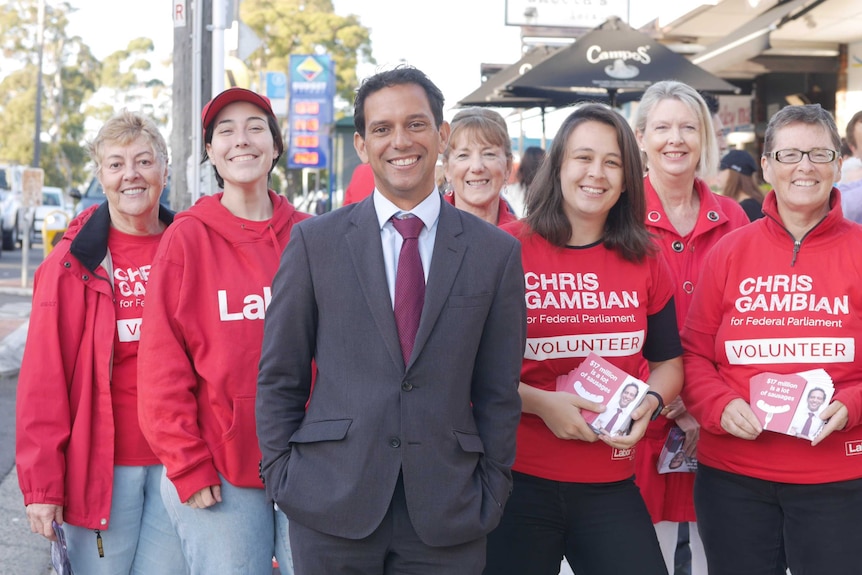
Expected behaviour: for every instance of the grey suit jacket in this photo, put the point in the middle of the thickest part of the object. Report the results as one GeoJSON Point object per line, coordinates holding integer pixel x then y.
{"type": "Point", "coordinates": [447, 420]}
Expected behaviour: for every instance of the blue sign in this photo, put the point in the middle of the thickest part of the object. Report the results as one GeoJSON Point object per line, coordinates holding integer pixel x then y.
{"type": "Point", "coordinates": [276, 85]}
{"type": "Point", "coordinates": [312, 89]}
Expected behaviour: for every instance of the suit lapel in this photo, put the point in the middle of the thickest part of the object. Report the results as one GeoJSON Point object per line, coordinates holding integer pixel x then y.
{"type": "Point", "coordinates": [366, 251]}
{"type": "Point", "coordinates": [445, 262]}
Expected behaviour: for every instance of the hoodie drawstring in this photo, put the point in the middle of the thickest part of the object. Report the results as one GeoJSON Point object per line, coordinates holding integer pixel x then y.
{"type": "Point", "coordinates": [274, 237]}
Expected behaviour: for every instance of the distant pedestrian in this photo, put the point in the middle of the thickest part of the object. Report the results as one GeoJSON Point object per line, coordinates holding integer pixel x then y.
{"type": "Point", "coordinates": [82, 459]}
{"type": "Point", "coordinates": [516, 195]}
{"type": "Point", "coordinates": [361, 185]}
{"type": "Point", "coordinates": [737, 176]}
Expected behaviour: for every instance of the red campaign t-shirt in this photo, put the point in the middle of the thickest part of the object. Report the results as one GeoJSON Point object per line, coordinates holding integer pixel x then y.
{"type": "Point", "coordinates": [131, 257]}
{"type": "Point", "coordinates": [580, 300]}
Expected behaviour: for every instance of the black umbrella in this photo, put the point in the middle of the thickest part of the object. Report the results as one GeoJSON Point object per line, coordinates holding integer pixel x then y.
{"type": "Point", "coordinates": [616, 60]}
{"type": "Point", "coordinates": [492, 93]}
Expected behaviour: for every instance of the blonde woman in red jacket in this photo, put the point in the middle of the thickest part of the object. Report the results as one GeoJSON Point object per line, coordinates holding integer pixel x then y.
{"type": "Point", "coordinates": [82, 460]}
{"type": "Point", "coordinates": [675, 133]}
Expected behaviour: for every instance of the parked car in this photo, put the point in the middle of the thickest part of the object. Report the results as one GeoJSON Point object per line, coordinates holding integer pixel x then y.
{"type": "Point", "coordinates": [93, 194]}
{"type": "Point", "coordinates": [53, 201]}
{"type": "Point", "coordinates": [11, 211]}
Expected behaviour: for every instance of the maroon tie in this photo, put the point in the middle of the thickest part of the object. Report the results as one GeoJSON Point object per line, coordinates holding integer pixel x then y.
{"type": "Point", "coordinates": [613, 420]}
{"type": "Point", "coordinates": [409, 284]}
{"type": "Point", "coordinates": [807, 427]}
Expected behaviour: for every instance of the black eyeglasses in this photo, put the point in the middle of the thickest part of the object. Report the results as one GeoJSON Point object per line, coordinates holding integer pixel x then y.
{"type": "Point", "coordinates": [794, 156]}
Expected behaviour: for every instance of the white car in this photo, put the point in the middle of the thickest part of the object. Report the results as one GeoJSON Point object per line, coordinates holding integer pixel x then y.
{"type": "Point", "coordinates": [55, 208]}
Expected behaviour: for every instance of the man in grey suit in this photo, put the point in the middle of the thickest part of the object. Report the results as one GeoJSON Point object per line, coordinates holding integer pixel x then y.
{"type": "Point", "coordinates": [397, 459]}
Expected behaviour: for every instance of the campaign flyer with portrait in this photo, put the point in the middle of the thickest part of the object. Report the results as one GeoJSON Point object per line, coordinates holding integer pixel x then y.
{"type": "Point", "coordinates": [673, 458]}
{"type": "Point", "coordinates": [600, 381]}
{"type": "Point", "coordinates": [791, 403]}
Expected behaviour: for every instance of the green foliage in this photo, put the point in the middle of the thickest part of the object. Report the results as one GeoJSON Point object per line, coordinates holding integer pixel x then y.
{"type": "Point", "coordinates": [307, 27]}
{"type": "Point", "coordinates": [70, 76]}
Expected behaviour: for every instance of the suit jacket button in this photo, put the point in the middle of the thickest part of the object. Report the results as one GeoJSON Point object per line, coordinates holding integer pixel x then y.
{"type": "Point", "coordinates": [394, 442]}
{"type": "Point", "coordinates": [407, 386]}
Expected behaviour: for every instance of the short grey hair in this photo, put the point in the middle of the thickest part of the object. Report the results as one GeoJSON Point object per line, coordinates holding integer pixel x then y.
{"type": "Point", "coordinates": [811, 114]}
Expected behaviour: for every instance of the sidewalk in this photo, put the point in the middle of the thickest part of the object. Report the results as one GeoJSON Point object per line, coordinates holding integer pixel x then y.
{"type": "Point", "coordinates": [21, 552]}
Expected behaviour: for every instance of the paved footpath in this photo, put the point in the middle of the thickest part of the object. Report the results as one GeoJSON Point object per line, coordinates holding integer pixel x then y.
{"type": "Point", "coordinates": [21, 552]}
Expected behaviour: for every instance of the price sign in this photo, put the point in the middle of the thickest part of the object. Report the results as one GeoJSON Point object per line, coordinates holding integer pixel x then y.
{"type": "Point", "coordinates": [312, 89]}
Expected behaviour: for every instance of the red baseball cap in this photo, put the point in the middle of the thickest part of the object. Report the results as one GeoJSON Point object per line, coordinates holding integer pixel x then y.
{"type": "Point", "coordinates": [230, 96]}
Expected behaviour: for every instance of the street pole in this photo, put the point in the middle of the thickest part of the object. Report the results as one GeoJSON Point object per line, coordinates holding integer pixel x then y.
{"type": "Point", "coordinates": [197, 138]}
{"type": "Point", "coordinates": [217, 29]}
{"type": "Point", "coordinates": [40, 40]}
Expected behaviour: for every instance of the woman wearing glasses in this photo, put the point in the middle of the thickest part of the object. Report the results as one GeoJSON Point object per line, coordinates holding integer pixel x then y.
{"type": "Point", "coordinates": [781, 295]}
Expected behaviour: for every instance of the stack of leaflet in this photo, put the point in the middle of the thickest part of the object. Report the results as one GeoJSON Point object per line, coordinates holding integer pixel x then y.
{"type": "Point", "coordinates": [673, 458]}
{"type": "Point", "coordinates": [791, 403]}
{"type": "Point", "coordinates": [600, 381]}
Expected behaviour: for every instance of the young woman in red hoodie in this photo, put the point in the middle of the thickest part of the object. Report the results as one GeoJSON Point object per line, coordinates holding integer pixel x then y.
{"type": "Point", "coordinates": [208, 294]}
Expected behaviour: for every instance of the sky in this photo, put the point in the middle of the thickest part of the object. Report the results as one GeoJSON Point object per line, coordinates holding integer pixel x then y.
{"type": "Point", "coordinates": [446, 39]}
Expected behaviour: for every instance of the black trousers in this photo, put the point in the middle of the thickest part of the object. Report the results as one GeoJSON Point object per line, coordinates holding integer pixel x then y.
{"type": "Point", "coordinates": [750, 526]}
{"type": "Point", "coordinates": [601, 528]}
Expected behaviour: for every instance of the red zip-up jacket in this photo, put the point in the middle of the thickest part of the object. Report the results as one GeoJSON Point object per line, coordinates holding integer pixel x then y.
{"type": "Point", "coordinates": [64, 445]}
{"type": "Point", "coordinates": [769, 303]}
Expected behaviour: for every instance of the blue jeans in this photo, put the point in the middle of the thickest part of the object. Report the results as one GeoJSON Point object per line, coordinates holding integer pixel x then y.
{"type": "Point", "coordinates": [141, 539]}
{"type": "Point", "coordinates": [749, 525]}
{"type": "Point", "coordinates": [237, 535]}
{"type": "Point", "coordinates": [598, 527]}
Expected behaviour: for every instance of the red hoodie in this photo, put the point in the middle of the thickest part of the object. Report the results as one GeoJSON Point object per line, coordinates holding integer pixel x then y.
{"type": "Point", "coordinates": [768, 303]}
{"type": "Point", "coordinates": [201, 335]}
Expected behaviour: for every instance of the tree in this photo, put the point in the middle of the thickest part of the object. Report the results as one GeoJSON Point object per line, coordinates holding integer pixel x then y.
{"type": "Point", "coordinates": [71, 74]}
{"type": "Point", "coordinates": [307, 27]}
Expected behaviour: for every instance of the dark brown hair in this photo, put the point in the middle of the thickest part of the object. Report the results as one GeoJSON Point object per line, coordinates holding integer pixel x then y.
{"type": "Point", "coordinates": [738, 185]}
{"type": "Point", "coordinates": [625, 230]}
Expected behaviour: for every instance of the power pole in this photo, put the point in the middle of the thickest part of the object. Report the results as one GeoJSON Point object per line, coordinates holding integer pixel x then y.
{"type": "Point", "coordinates": [37, 137]}
{"type": "Point", "coordinates": [183, 154]}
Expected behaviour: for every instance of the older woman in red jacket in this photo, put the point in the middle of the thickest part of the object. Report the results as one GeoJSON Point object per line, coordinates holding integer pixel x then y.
{"type": "Point", "coordinates": [82, 460]}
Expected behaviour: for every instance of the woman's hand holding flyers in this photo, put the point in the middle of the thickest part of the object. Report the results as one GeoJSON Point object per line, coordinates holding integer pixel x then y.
{"type": "Point", "coordinates": [739, 420]}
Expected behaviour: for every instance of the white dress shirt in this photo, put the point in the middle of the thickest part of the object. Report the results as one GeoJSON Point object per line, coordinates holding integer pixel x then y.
{"type": "Point", "coordinates": [428, 211]}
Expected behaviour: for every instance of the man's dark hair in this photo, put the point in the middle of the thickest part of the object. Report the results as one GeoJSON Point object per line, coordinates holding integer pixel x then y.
{"type": "Point", "coordinates": [628, 385]}
{"type": "Point", "coordinates": [398, 76]}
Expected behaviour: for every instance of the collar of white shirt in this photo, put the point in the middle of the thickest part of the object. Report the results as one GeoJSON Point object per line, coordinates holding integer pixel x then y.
{"type": "Point", "coordinates": [428, 209]}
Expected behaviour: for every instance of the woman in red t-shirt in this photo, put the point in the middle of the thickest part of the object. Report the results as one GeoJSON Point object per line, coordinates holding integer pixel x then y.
{"type": "Point", "coordinates": [594, 282]}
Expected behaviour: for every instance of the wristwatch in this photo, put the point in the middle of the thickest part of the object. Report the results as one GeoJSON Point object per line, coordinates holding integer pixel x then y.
{"type": "Point", "coordinates": [658, 409]}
